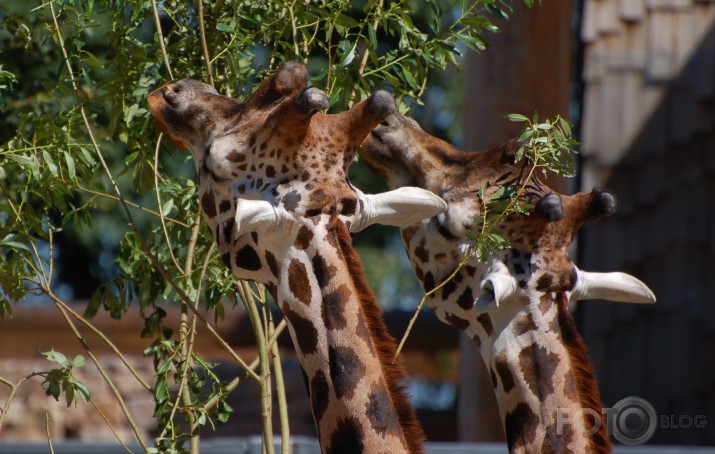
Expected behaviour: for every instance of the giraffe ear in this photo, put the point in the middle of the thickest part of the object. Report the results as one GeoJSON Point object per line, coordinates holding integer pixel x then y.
{"type": "Point", "coordinates": [256, 215]}
{"type": "Point", "coordinates": [612, 287]}
{"type": "Point", "coordinates": [497, 286]}
{"type": "Point", "coordinates": [401, 207]}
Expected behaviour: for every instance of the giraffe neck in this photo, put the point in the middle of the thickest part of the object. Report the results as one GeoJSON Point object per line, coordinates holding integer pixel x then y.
{"type": "Point", "coordinates": [537, 360]}
{"type": "Point", "coordinates": [348, 357]}
{"type": "Point", "coordinates": [544, 382]}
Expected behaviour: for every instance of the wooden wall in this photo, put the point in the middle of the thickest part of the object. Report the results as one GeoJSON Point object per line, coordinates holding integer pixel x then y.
{"type": "Point", "coordinates": [649, 134]}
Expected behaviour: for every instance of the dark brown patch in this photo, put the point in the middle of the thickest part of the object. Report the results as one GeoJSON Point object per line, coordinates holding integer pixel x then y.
{"type": "Point", "coordinates": [208, 204]}
{"type": "Point", "coordinates": [501, 365]}
{"type": "Point", "coordinates": [302, 240]}
{"type": "Point", "coordinates": [466, 300]}
{"type": "Point", "coordinates": [291, 200]}
{"type": "Point", "coordinates": [272, 264]}
{"type": "Point", "coordinates": [226, 259]}
{"type": "Point", "coordinates": [544, 283]}
{"type": "Point", "coordinates": [235, 156]}
{"type": "Point", "coordinates": [319, 395]}
{"type": "Point", "coordinates": [428, 283]}
{"type": "Point", "coordinates": [555, 442]}
{"type": "Point", "coordinates": [248, 259]}
{"type": "Point", "coordinates": [298, 282]}
{"type": "Point", "coordinates": [380, 412]}
{"type": "Point", "coordinates": [570, 387]}
{"type": "Point", "coordinates": [486, 321]}
{"type": "Point", "coordinates": [545, 303]}
{"type": "Point", "coordinates": [346, 370]}
{"type": "Point", "coordinates": [448, 288]}
{"type": "Point", "coordinates": [323, 272]}
{"type": "Point", "coordinates": [349, 205]}
{"type": "Point", "coordinates": [456, 321]}
{"type": "Point", "coordinates": [306, 336]}
{"type": "Point", "coordinates": [347, 438]}
{"type": "Point", "coordinates": [420, 251]}
{"type": "Point", "coordinates": [520, 426]}
{"type": "Point", "coordinates": [523, 324]}
{"type": "Point", "coordinates": [537, 367]}
{"type": "Point", "coordinates": [270, 171]}
{"type": "Point", "coordinates": [228, 229]}
{"type": "Point", "coordinates": [333, 307]}
{"type": "Point", "coordinates": [224, 206]}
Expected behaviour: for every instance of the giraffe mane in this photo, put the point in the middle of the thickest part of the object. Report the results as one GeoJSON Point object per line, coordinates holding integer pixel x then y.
{"type": "Point", "coordinates": [585, 377]}
{"type": "Point", "coordinates": [392, 370]}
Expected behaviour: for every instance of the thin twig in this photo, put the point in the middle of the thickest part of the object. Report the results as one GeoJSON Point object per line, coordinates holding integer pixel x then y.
{"type": "Point", "coordinates": [280, 389]}
{"type": "Point", "coordinates": [109, 424]}
{"type": "Point", "coordinates": [13, 389]}
{"type": "Point", "coordinates": [204, 46]}
{"type": "Point", "coordinates": [132, 204]}
{"type": "Point", "coordinates": [244, 290]}
{"type": "Point", "coordinates": [59, 304]}
{"type": "Point", "coordinates": [47, 430]}
{"type": "Point", "coordinates": [238, 380]}
{"type": "Point", "coordinates": [160, 36]}
{"type": "Point", "coordinates": [169, 246]}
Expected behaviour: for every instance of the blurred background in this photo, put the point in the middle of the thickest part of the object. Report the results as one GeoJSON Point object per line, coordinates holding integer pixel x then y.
{"type": "Point", "coordinates": [637, 78]}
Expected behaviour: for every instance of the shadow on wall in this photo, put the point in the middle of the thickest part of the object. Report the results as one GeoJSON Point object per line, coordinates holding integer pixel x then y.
{"type": "Point", "coordinates": [649, 135]}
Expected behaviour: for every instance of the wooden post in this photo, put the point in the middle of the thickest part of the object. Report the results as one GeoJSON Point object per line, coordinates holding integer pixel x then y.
{"type": "Point", "coordinates": [527, 69]}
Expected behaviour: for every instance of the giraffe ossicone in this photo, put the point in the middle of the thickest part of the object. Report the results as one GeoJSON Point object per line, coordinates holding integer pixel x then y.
{"type": "Point", "coordinates": [515, 307]}
{"type": "Point", "coordinates": [275, 194]}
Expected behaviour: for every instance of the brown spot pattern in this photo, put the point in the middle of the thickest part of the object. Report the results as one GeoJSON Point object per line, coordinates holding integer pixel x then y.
{"type": "Point", "coordinates": [298, 282]}
{"type": "Point", "coordinates": [302, 240]}
{"type": "Point", "coordinates": [501, 365]}
{"type": "Point", "coordinates": [537, 367]}
{"type": "Point", "coordinates": [208, 204]}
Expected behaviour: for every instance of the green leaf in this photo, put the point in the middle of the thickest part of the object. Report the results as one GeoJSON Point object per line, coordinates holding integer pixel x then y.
{"type": "Point", "coordinates": [59, 358]}
{"type": "Point", "coordinates": [517, 118]}
{"type": "Point", "coordinates": [71, 169]}
{"type": "Point", "coordinates": [78, 361]}
{"type": "Point", "coordinates": [83, 390]}
{"type": "Point", "coordinates": [224, 27]}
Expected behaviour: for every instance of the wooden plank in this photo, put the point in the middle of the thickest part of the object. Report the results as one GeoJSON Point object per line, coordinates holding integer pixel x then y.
{"type": "Point", "coordinates": [589, 28]}
{"type": "Point", "coordinates": [660, 41]}
{"type": "Point", "coordinates": [608, 17]}
{"type": "Point", "coordinates": [632, 10]}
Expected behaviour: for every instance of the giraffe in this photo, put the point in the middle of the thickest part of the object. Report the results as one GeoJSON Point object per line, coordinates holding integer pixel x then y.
{"type": "Point", "coordinates": [515, 307]}
{"type": "Point", "coordinates": [274, 192]}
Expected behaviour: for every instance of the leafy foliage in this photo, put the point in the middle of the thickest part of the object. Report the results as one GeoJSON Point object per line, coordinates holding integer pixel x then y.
{"type": "Point", "coordinates": [548, 147]}
{"type": "Point", "coordinates": [61, 380]}
{"type": "Point", "coordinates": [79, 163]}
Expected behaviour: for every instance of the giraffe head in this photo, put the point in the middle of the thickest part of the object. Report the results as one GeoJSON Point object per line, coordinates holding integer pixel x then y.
{"type": "Point", "coordinates": [402, 153]}
{"type": "Point", "coordinates": [265, 162]}
{"type": "Point", "coordinates": [515, 307]}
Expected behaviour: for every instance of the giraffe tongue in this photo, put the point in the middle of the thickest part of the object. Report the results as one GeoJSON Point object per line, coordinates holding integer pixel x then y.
{"type": "Point", "coordinates": [401, 208]}
{"type": "Point", "coordinates": [614, 286]}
